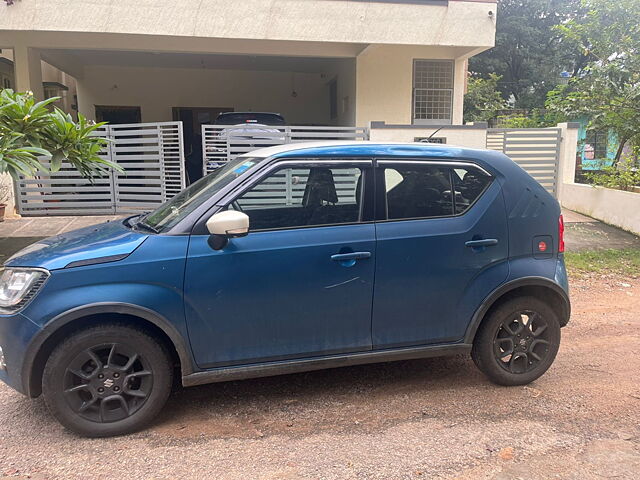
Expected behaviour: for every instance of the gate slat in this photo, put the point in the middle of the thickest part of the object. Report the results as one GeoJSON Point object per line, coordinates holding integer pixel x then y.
{"type": "Point", "coordinates": [536, 150]}
{"type": "Point", "coordinates": [152, 156]}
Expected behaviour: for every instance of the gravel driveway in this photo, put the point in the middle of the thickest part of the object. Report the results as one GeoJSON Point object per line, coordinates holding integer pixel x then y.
{"type": "Point", "coordinates": [435, 418]}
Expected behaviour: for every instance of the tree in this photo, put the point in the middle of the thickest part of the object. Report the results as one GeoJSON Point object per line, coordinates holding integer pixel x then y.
{"type": "Point", "coordinates": [483, 99]}
{"type": "Point", "coordinates": [608, 89]}
{"type": "Point", "coordinates": [29, 129]}
{"type": "Point", "coordinates": [530, 53]}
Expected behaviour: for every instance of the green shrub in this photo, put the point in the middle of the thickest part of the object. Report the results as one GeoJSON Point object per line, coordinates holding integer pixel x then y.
{"type": "Point", "coordinates": [620, 177]}
{"type": "Point", "coordinates": [30, 129]}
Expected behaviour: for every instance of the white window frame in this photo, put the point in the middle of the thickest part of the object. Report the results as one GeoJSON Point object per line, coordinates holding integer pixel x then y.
{"type": "Point", "coordinates": [414, 89]}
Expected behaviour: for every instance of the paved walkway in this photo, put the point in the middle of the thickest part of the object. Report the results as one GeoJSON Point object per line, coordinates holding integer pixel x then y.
{"type": "Point", "coordinates": [48, 226]}
{"type": "Point", "coordinates": [586, 233]}
{"type": "Point", "coordinates": [17, 233]}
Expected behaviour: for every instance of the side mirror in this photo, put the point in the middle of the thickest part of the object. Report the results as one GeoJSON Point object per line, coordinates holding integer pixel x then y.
{"type": "Point", "coordinates": [225, 225]}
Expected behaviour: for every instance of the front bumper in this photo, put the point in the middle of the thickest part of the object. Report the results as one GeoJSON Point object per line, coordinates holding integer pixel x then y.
{"type": "Point", "coordinates": [16, 332]}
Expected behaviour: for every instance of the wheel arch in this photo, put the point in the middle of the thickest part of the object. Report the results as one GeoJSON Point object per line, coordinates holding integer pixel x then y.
{"type": "Point", "coordinates": [64, 324]}
{"type": "Point", "coordinates": [535, 286]}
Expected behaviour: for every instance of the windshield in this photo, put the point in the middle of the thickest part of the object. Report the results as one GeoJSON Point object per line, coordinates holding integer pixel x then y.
{"type": "Point", "coordinates": [174, 210]}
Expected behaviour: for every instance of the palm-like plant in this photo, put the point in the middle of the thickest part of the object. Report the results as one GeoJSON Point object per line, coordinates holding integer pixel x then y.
{"type": "Point", "coordinates": [15, 157]}
{"type": "Point", "coordinates": [30, 129]}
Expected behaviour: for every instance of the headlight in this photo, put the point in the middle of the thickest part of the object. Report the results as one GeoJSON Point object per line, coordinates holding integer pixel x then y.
{"type": "Point", "coordinates": [18, 286]}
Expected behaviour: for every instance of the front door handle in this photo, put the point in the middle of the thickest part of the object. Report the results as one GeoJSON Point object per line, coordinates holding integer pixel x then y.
{"type": "Point", "coordinates": [345, 257]}
{"type": "Point", "coordinates": [485, 242]}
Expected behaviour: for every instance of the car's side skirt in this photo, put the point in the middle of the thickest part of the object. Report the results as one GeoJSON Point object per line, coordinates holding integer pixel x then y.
{"type": "Point", "coordinates": [224, 374]}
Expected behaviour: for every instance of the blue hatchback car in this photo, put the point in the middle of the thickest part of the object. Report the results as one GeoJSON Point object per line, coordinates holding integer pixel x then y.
{"type": "Point", "coordinates": [289, 259]}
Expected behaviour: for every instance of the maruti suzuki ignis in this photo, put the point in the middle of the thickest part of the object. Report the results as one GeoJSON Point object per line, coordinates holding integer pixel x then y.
{"type": "Point", "coordinates": [289, 259]}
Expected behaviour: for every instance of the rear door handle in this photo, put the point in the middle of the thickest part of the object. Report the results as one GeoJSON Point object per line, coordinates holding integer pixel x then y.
{"type": "Point", "coordinates": [486, 242]}
{"type": "Point", "coordinates": [342, 257]}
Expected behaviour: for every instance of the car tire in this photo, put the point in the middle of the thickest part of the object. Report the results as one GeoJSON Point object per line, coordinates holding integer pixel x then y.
{"type": "Point", "coordinates": [107, 380]}
{"type": "Point", "coordinates": [517, 341]}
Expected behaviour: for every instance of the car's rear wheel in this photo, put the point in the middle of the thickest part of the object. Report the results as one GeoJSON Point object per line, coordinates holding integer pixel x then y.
{"type": "Point", "coordinates": [107, 380]}
{"type": "Point", "coordinates": [517, 342]}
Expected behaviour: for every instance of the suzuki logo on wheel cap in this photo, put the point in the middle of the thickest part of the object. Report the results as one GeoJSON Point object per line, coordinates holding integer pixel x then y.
{"type": "Point", "coordinates": [108, 383]}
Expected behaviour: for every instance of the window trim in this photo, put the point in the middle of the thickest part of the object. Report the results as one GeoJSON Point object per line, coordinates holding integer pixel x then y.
{"type": "Point", "coordinates": [367, 194]}
{"type": "Point", "coordinates": [432, 121]}
{"type": "Point", "coordinates": [381, 194]}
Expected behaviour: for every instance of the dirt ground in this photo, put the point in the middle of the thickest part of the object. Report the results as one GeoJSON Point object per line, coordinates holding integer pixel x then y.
{"type": "Point", "coordinates": [435, 418]}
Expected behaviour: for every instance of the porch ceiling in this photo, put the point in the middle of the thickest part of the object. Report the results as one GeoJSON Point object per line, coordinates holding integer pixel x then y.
{"type": "Point", "coordinates": [73, 61]}
{"type": "Point", "coordinates": [160, 43]}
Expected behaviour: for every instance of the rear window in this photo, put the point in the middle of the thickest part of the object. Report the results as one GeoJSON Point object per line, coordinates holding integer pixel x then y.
{"type": "Point", "coordinates": [249, 117]}
{"type": "Point", "coordinates": [429, 191]}
{"type": "Point", "coordinates": [468, 183]}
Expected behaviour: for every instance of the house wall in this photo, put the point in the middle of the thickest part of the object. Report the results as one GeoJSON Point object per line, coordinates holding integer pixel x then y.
{"type": "Point", "coordinates": [345, 73]}
{"type": "Point", "coordinates": [594, 164]}
{"type": "Point", "coordinates": [53, 74]}
{"type": "Point", "coordinates": [157, 90]}
{"type": "Point", "coordinates": [49, 74]}
{"type": "Point", "coordinates": [614, 207]}
{"type": "Point", "coordinates": [468, 136]}
{"type": "Point", "coordinates": [384, 82]}
{"type": "Point", "coordinates": [438, 22]}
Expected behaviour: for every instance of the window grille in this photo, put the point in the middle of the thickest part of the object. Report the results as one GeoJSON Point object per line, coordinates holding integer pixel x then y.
{"type": "Point", "coordinates": [432, 91]}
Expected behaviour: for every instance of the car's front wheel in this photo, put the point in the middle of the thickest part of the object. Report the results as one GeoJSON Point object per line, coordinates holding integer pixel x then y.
{"type": "Point", "coordinates": [517, 342]}
{"type": "Point", "coordinates": [107, 380]}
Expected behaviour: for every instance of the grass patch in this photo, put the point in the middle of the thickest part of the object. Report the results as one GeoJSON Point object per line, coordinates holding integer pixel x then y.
{"type": "Point", "coordinates": [624, 262]}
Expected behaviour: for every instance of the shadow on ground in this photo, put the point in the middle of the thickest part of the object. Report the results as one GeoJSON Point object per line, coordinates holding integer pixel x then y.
{"type": "Point", "coordinates": [10, 245]}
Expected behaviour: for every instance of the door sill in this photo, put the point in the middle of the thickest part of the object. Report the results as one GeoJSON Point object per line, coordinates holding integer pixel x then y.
{"type": "Point", "coordinates": [268, 369]}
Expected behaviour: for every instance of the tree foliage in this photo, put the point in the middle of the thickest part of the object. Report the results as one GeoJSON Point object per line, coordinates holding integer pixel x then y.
{"type": "Point", "coordinates": [530, 53]}
{"type": "Point", "coordinates": [537, 118]}
{"type": "Point", "coordinates": [483, 99]}
{"type": "Point", "coordinates": [29, 130]}
{"type": "Point", "coordinates": [608, 88]}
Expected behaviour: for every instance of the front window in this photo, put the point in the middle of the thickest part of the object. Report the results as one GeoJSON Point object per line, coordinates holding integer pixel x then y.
{"type": "Point", "coordinates": [303, 197]}
{"type": "Point", "coordinates": [170, 213]}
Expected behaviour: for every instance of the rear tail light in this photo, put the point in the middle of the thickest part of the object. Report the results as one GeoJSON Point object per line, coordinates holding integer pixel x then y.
{"type": "Point", "coordinates": [560, 235]}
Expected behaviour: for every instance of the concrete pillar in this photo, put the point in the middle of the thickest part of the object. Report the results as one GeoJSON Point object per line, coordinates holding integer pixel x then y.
{"type": "Point", "coordinates": [459, 89]}
{"type": "Point", "coordinates": [28, 70]}
{"type": "Point", "coordinates": [568, 155]}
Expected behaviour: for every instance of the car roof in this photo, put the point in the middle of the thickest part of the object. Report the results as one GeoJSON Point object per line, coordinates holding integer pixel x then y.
{"type": "Point", "coordinates": [368, 149]}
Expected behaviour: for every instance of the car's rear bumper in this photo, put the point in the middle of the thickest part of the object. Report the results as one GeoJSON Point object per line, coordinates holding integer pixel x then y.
{"type": "Point", "coordinates": [562, 279]}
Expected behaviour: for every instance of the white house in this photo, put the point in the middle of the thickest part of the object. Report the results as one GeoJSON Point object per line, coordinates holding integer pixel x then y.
{"type": "Point", "coordinates": [325, 62]}
{"type": "Point", "coordinates": [317, 62]}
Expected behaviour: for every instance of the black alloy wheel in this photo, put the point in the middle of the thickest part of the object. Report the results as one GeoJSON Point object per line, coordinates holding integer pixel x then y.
{"type": "Point", "coordinates": [106, 380]}
{"type": "Point", "coordinates": [522, 341]}
{"type": "Point", "coordinates": [517, 341]}
{"type": "Point", "coordinates": [107, 383]}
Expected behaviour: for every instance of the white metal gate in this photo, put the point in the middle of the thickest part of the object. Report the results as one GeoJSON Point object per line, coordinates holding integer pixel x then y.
{"type": "Point", "coordinates": [536, 150]}
{"type": "Point", "coordinates": [152, 155]}
{"type": "Point", "coordinates": [286, 188]}
{"type": "Point", "coordinates": [221, 143]}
